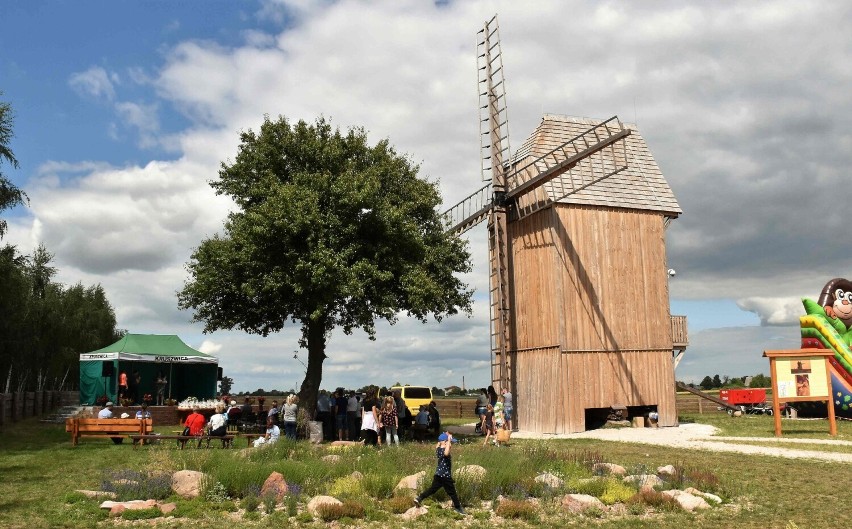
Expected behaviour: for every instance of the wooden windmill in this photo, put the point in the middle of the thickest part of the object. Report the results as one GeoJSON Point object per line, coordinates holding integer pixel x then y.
{"type": "Point", "coordinates": [539, 269]}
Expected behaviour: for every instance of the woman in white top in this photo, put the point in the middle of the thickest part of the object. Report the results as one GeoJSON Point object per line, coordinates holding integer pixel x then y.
{"type": "Point", "coordinates": [369, 419]}
{"type": "Point", "coordinates": [272, 434]}
{"type": "Point", "coordinates": [218, 422]}
{"type": "Point", "coordinates": [289, 415]}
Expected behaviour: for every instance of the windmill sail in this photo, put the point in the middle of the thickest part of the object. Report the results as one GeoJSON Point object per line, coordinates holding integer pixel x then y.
{"type": "Point", "coordinates": [493, 112]}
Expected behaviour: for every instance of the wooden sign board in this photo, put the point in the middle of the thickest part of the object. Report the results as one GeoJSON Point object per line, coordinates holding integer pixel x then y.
{"type": "Point", "coordinates": [800, 375]}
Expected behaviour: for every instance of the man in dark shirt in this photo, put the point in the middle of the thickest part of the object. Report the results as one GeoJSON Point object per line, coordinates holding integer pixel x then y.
{"type": "Point", "coordinates": [340, 403]}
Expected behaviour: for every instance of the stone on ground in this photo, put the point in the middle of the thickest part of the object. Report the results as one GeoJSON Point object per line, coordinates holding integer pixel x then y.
{"type": "Point", "coordinates": [274, 486]}
{"type": "Point", "coordinates": [187, 483]}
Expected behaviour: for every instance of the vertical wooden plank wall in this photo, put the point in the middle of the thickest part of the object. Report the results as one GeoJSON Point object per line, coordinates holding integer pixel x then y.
{"type": "Point", "coordinates": [538, 398]}
{"type": "Point", "coordinates": [592, 282]}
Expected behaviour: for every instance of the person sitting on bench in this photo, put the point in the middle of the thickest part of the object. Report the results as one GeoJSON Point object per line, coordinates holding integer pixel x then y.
{"type": "Point", "coordinates": [218, 425]}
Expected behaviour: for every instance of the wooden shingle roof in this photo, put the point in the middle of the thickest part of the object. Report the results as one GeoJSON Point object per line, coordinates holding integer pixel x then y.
{"type": "Point", "coordinates": [640, 186]}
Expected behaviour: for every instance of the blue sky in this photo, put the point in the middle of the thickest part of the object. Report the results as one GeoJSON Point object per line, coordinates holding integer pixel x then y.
{"type": "Point", "coordinates": [125, 109]}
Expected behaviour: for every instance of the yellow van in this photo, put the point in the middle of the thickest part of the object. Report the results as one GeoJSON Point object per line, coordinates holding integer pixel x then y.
{"type": "Point", "coordinates": [414, 396]}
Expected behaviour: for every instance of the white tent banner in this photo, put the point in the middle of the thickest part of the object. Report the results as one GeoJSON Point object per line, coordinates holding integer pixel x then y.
{"type": "Point", "coordinates": [133, 357]}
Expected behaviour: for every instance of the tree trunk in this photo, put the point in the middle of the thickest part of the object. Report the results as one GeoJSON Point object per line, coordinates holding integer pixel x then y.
{"type": "Point", "coordinates": [315, 331]}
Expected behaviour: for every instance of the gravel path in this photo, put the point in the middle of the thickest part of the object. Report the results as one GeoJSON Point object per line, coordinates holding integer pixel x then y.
{"type": "Point", "coordinates": [697, 437]}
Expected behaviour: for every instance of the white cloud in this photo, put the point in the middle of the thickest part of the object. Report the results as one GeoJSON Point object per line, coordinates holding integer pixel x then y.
{"type": "Point", "coordinates": [95, 82]}
{"type": "Point", "coordinates": [774, 311]}
{"type": "Point", "coordinates": [143, 118]}
{"type": "Point", "coordinates": [210, 347]}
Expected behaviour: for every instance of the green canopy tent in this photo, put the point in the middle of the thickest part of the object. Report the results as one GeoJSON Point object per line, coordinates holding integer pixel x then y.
{"type": "Point", "coordinates": [189, 372]}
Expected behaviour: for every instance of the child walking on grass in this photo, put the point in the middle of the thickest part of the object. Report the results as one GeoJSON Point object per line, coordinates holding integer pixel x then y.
{"type": "Point", "coordinates": [443, 473]}
{"type": "Point", "coordinates": [488, 425]}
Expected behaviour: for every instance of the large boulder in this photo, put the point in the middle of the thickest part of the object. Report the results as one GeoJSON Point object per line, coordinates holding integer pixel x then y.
{"type": "Point", "coordinates": [274, 486]}
{"type": "Point", "coordinates": [414, 512]}
{"type": "Point", "coordinates": [609, 468]}
{"type": "Point", "coordinates": [705, 495]}
{"type": "Point", "coordinates": [687, 501]}
{"type": "Point", "coordinates": [550, 480]}
{"type": "Point", "coordinates": [316, 501]}
{"type": "Point", "coordinates": [345, 443]}
{"type": "Point", "coordinates": [118, 507]}
{"type": "Point", "coordinates": [471, 472]}
{"type": "Point", "coordinates": [577, 503]}
{"type": "Point", "coordinates": [187, 483]}
{"type": "Point", "coordinates": [644, 481]}
{"type": "Point", "coordinates": [667, 470]}
{"type": "Point", "coordinates": [411, 482]}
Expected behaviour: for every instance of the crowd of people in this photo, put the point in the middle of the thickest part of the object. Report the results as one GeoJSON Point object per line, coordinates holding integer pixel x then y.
{"type": "Point", "coordinates": [373, 418]}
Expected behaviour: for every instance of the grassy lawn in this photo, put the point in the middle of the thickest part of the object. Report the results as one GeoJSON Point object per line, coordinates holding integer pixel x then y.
{"type": "Point", "coordinates": [39, 470]}
{"type": "Point", "coordinates": [764, 426]}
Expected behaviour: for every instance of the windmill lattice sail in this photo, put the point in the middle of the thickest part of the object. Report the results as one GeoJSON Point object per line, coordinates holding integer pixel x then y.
{"type": "Point", "coordinates": [493, 111]}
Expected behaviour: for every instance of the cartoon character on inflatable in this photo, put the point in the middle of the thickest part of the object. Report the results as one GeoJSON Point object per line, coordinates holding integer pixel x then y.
{"type": "Point", "coordinates": [828, 325]}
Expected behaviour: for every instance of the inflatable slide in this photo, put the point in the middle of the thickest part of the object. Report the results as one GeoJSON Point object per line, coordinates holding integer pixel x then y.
{"type": "Point", "coordinates": [828, 325]}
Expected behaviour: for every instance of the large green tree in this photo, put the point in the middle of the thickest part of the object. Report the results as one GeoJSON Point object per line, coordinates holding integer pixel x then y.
{"type": "Point", "coordinates": [10, 195]}
{"type": "Point", "coordinates": [330, 231]}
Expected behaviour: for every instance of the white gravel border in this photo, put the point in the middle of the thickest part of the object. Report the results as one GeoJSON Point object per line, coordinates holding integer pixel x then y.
{"type": "Point", "coordinates": [700, 437]}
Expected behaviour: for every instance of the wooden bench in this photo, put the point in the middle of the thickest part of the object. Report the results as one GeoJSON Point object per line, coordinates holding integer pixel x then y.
{"type": "Point", "coordinates": [227, 440]}
{"type": "Point", "coordinates": [78, 427]}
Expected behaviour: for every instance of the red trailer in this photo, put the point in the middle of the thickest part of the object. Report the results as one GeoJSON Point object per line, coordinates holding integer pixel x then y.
{"type": "Point", "coordinates": [747, 400]}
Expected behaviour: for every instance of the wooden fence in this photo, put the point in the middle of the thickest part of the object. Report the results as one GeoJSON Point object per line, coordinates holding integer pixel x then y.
{"type": "Point", "coordinates": [17, 406]}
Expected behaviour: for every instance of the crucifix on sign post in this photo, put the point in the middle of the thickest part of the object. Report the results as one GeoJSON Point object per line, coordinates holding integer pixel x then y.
{"type": "Point", "coordinates": [801, 375]}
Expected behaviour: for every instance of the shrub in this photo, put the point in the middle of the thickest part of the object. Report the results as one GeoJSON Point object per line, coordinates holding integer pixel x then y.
{"type": "Point", "coordinates": [75, 497]}
{"type": "Point", "coordinates": [141, 514]}
{"type": "Point", "coordinates": [132, 484]}
{"type": "Point", "coordinates": [592, 487]}
{"type": "Point", "coordinates": [655, 499]}
{"type": "Point", "coordinates": [399, 504]}
{"type": "Point", "coordinates": [517, 509]}
{"type": "Point", "coordinates": [348, 509]}
{"type": "Point", "coordinates": [702, 480]}
{"type": "Point", "coordinates": [292, 505]}
{"type": "Point", "coordinates": [684, 477]}
{"type": "Point", "coordinates": [269, 502]}
{"type": "Point", "coordinates": [616, 491]}
{"type": "Point", "coordinates": [379, 484]}
{"type": "Point", "coordinates": [250, 503]}
{"type": "Point", "coordinates": [346, 486]}
{"type": "Point", "coordinates": [215, 492]}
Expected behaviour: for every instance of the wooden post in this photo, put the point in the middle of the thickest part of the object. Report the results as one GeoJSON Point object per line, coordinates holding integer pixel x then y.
{"type": "Point", "coordinates": [16, 397]}
{"type": "Point", "coordinates": [776, 405]}
{"type": "Point", "coordinates": [700, 406]}
{"type": "Point", "coordinates": [832, 423]}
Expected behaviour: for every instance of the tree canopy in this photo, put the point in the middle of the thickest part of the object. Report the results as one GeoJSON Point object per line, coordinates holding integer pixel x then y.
{"type": "Point", "coordinates": [329, 231]}
{"type": "Point", "coordinates": [46, 325]}
{"type": "Point", "coordinates": [10, 195]}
